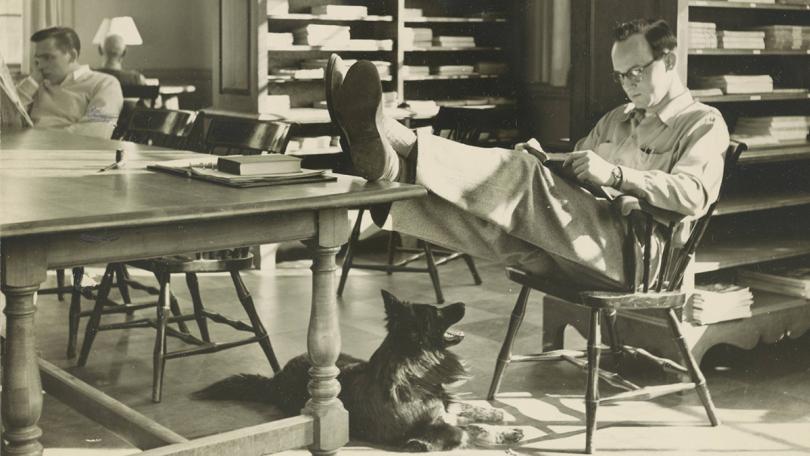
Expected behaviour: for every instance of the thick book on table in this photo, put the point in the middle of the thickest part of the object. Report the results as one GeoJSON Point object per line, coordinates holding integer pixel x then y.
{"type": "Point", "coordinates": [204, 168]}
{"type": "Point", "coordinates": [253, 165]}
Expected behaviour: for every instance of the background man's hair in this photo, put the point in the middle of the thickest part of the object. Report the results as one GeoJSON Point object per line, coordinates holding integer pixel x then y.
{"type": "Point", "coordinates": [656, 31]}
{"type": "Point", "coordinates": [65, 37]}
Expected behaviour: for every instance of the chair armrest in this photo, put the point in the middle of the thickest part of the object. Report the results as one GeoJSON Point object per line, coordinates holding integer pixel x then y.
{"type": "Point", "coordinates": [626, 204]}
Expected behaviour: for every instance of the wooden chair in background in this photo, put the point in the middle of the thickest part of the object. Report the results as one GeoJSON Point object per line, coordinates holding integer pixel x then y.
{"type": "Point", "coordinates": [235, 135]}
{"type": "Point", "coordinates": [662, 294]}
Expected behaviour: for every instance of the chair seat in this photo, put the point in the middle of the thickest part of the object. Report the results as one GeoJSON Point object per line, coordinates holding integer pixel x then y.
{"type": "Point", "coordinates": [190, 263]}
{"type": "Point", "coordinates": [554, 285]}
{"type": "Point", "coordinates": [632, 301]}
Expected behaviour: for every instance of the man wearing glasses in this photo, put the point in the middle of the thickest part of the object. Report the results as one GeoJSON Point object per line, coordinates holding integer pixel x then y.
{"type": "Point", "coordinates": [503, 204]}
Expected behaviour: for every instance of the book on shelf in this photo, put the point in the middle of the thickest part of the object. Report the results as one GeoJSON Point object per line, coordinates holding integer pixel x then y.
{"type": "Point", "coordinates": [279, 40]}
{"type": "Point", "coordinates": [341, 11]}
{"type": "Point", "coordinates": [792, 280]}
{"type": "Point", "coordinates": [322, 35]}
{"type": "Point", "coordinates": [736, 84]}
{"type": "Point", "coordinates": [454, 41]}
{"type": "Point", "coordinates": [254, 165]}
{"type": "Point", "coordinates": [204, 168]}
{"type": "Point", "coordinates": [716, 302]}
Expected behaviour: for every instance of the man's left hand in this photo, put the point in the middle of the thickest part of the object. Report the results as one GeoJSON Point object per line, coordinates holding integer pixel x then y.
{"type": "Point", "coordinates": [589, 167]}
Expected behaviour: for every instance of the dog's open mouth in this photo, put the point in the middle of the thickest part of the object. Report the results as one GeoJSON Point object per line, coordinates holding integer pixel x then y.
{"type": "Point", "coordinates": [453, 336]}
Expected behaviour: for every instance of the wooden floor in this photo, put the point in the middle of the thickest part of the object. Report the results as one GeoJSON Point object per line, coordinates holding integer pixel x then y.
{"type": "Point", "coordinates": [763, 395]}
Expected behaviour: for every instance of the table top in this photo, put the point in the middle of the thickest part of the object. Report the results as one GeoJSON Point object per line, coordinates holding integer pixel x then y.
{"type": "Point", "coordinates": [49, 184]}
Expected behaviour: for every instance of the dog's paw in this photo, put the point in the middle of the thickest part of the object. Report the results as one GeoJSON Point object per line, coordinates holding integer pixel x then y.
{"type": "Point", "coordinates": [417, 446]}
{"type": "Point", "coordinates": [486, 435]}
{"type": "Point", "coordinates": [468, 413]}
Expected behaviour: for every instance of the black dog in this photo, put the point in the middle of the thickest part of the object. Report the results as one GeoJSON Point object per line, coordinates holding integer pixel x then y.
{"type": "Point", "coordinates": [400, 396]}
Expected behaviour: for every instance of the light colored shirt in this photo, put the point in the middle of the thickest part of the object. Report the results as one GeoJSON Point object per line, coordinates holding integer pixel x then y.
{"type": "Point", "coordinates": [671, 156]}
{"type": "Point", "coordinates": [87, 102]}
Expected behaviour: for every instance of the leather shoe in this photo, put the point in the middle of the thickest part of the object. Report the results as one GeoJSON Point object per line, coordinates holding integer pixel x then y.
{"type": "Point", "coordinates": [357, 106]}
{"type": "Point", "coordinates": [333, 79]}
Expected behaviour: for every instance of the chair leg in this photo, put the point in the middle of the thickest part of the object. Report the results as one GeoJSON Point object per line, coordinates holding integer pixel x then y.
{"type": "Point", "coordinates": [255, 321]}
{"type": "Point", "coordinates": [592, 389]}
{"type": "Point", "coordinates": [174, 306]}
{"type": "Point", "coordinates": [347, 260]}
{"type": "Point", "coordinates": [694, 370]}
{"type": "Point", "coordinates": [74, 311]}
{"type": "Point", "coordinates": [199, 310]}
{"type": "Point", "coordinates": [473, 270]}
{"type": "Point", "coordinates": [91, 329]}
{"type": "Point", "coordinates": [505, 356]}
{"type": "Point", "coordinates": [121, 277]}
{"type": "Point", "coordinates": [60, 284]}
{"type": "Point", "coordinates": [433, 271]}
{"type": "Point", "coordinates": [159, 353]}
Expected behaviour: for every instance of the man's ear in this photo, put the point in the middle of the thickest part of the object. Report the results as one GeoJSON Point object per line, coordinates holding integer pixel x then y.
{"type": "Point", "coordinates": [74, 55]}
{"type": "Point", "coordinates": [670, 59]}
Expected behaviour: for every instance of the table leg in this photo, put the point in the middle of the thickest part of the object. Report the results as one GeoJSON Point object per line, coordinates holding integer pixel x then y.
{"type": "Point", "coordinates": [22, 388]}
{"type": "Point", "coordinates": [323, 344]}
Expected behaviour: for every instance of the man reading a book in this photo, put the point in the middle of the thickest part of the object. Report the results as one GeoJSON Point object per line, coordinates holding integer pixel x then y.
{"type": "Point", "coordinates": [504, 204]}
{"type": "Point", "coordinates": [61, 93]}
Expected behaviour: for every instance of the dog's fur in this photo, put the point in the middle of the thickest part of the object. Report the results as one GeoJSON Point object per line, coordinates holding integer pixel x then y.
{"type": "Point", "coordinates": [399, 397]}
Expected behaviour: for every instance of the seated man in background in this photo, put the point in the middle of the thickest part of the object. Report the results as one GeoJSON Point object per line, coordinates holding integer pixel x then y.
{"type": "Point", "coordinates": [61, 93]}
{"type": "Point", "coordinates": [113, 51]}
{"type": "Point", "coordinates": [505, 205]}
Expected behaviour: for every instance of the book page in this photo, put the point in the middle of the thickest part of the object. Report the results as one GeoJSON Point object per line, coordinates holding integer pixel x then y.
{"type": "Point", "coordinates": [12, 111]}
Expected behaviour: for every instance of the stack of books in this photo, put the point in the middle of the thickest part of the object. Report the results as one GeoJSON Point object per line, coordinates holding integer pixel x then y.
{"type": "Point", "coordinates": [341, 11]}
{"type": "Point", "coordinates": [454, 41]}
{"type": "Point", "coordinates": [453, 70]}
{"type": "Point", "coordinates": [727, 39]}
{"type": "Point", "coordinates": [322, 35]}
{"type": "Point", "coordinates": [736, 84]}
{"type": "Point", "coordinates": [415, 71]}
{"type": "Point", "coordinates": [716, 302]}
{"type": "Point", "coordinates": [277, 7]}
{"type": "Point", "coordinates": [417, 38]}
{"type": "Point", "coordinates": [412, 13]}
{"type": "Point", "coordinates": [780, 128]}
{"type": "Point", "coordinates": [279, 40]}
{"type": "Point", "coordinates": [298, 73]}
{"type": "Point", "coordinates": [788, 280]}
{"type": "Point", "coordinates": [702, 35]}
{"type": "Point", "coordinates": [497, 68]}
{"type": "Point", "coordinates": [786, 36]}
{"type": "Point", "coordinates": [383, 67]}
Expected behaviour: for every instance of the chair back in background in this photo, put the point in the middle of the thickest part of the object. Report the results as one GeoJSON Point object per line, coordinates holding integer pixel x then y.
{"type": "Point", "coordinates": [159, 127]}
{"type": "Point", "coordinates": [146, 93]}
{"type": "Point", "coordinates": [232, 135]}
{"type": "Point", "coordinates": [477, 125]}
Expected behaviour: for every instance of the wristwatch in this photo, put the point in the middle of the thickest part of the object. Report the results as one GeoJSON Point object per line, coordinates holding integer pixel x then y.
{"type": "Point", "coordinates": [618, 177]}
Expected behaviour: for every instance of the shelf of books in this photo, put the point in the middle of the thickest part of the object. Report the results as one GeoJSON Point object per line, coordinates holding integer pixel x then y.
{"type": "Point", "coordinates": [755, 4]}
{"type": "Point", "coordinates": [776, 153]}
{"type": "Point", "coordinates": [328, 18]}
{"type": "Point", "coordinates": [731, 252]}
{"type": "Point", "coordinates": [699, 51]}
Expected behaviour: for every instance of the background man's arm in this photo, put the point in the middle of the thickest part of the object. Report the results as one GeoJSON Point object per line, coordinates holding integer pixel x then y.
{"type": "Point", "coordinates": [102, 111]}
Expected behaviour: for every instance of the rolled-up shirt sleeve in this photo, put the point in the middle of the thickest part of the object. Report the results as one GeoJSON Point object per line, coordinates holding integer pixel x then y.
{"type": "Point", "coordinates": [693, 183]}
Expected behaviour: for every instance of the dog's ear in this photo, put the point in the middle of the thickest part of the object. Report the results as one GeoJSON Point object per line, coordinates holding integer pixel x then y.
{"type": "Point", "coordinates": [391, 302]}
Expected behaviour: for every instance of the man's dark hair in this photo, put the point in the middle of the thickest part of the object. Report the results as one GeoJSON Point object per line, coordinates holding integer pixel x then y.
{"type": "Point", "coordinates": [65, 37]}
{"type": "Point", "coordinates": [655, 31]}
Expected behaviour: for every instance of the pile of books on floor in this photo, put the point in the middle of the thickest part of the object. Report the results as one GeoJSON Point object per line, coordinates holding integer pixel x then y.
{"type": "Point", "coordinates": [772, 129]}
{"type": "Point", "coordinates": [279, 40]}
{"type": "Point", "coordinates": [449, 41]}
{"type": "Point", "coordinates": [496, 68]}
{"type": "Point", "coordinates": [736, 84]}
{"type": "Point", "coordinates": [453, 70]}
{"type": "Point", "coordinates": [786, 36]}
{"type": "Point", "coordinates": [415, 71]}
{"type": "Point", "coordinates": [750, 39]}
{"type": "Point", "coordinates": [702, 35]}
{"type": "Point", "coordinates": [341, 11]}
{"type": "Point", "coordinates": [322, 35]}
{"type": "Point", "coordinates": [792, 280]}
{"type": "Point", "coordinates": [716, 302]}
{"type": "Point", "coordinates": [417, 38]}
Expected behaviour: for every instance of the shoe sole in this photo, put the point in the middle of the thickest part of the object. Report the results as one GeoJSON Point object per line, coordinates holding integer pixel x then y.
{"type": "Point", "coordinates": [359, 101]}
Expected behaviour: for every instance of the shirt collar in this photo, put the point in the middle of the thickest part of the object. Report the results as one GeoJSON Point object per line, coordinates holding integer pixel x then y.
{"type": "Point", "coordinates": [666, 110]}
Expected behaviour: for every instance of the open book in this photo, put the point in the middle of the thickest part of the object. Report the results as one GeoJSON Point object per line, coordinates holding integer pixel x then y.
{"type": "Point", "coordinates": [12, 111]}
{"type": "Point", "coordinates": [555, 162]}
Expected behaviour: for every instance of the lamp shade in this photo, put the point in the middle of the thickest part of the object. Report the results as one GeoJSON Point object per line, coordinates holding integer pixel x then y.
{"type": "Point", "coordinates": [121, 25]}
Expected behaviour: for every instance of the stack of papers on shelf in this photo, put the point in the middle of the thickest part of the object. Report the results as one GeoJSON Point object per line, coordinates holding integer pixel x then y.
{"type": "Point", "coordinates": [706, 92]}
{"type": "Point", "coordinates": [412, 13]}
{"type": "Point", "coordinates": [782, 128]}
{"type": "Point", "coordinates": [417, 37]}
{"type": "Point", "coordinates": [727, 39]}
{"type": "Point", "coordinates": [341, 11]}
{"type": "Point", "coordinates": [357, 44]}
{"type": "Point", "coordinates": [415, 71]}
{"type": "Point", "coordinates": [712, 303]}
{"type": "Point", "coordinates": [298, 73]}
{"type": "Point", "coordinates": [794, 2]}
{"type": "Point", "coordinates": [205, 168]}
{"type": "Point", "coordinates": [322, 35]}
{"type": "Point", "coordinates": [277, 7]}
{"type": "Point", "coordinates": [731, 84]}
{"type": "Point", "coordinates": [702, 35]}
{"type": "Point", "coordinates": [788, 280]}
{"type": "Point", "coordinates": [454, 41]}
{"type": "Point", "coordinates": [786, 36]}
{"type": "Point", "coordinates": [279, 40]}
{"type": "Point", "coordinates": [453, 70]}
{"type": "Point", "coordinates": [491, 67]}
{"type": "Point", "coordinates": [309, 144]}
{"type": "Point", "coordinates": [383, 67]}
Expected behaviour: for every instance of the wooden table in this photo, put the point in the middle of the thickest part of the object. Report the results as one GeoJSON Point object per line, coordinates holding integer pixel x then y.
{"type": "Point", "coordinates": [57, 211]}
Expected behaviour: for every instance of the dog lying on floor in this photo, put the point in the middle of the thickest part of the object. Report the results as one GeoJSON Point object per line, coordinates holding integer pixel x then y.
{"type": "Point", "coordinates": [400, 396]}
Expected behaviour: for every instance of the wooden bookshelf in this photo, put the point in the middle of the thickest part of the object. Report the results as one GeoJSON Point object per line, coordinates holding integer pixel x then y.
{"type": "Point", "coordinates": [767, 96]}
{"type": "Point", "coordinates": [325, 18]}
{"type": "Point", "coordinates": [454, 49]}
{"type": "Point", "coordinates": [730, 252]}
{"type": "Point", "coordinates": [713, 51]}
{"type": "Point", "coordinates": [761, 200]}
{"type": "Point", "coordinates": [440, 77]}
{"type": "Point", "coordinates": [769, 154]}
{"type": "Point", "coordinates": [747, 5]}
{"type": "Point", "coordinates": [461, 20]}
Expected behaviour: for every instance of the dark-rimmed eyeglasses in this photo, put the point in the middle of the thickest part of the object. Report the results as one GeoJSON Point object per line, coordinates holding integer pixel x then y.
{"type": "Point", "coordinates": [634, 74]}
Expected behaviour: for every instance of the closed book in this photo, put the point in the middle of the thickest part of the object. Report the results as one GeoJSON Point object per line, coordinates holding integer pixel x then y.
{"type": "Point", "coordinates": [254, 165]}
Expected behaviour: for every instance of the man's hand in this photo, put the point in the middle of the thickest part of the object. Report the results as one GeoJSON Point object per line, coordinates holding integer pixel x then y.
{"type": "Point", "coordinates": [589, 167]}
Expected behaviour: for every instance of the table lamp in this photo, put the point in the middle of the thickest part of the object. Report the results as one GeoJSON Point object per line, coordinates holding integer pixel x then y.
{"type": "Point", "coordinates": [121, 25]}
